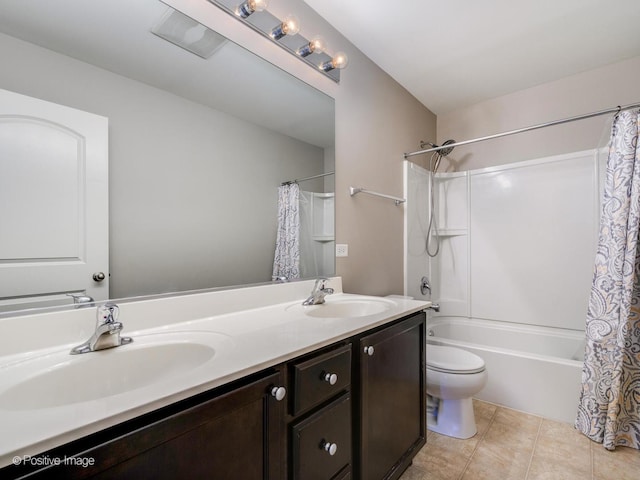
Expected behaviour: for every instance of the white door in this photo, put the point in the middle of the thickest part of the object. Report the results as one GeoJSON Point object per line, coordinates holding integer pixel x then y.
{"type": "Point", "coordinates": [54, 205]}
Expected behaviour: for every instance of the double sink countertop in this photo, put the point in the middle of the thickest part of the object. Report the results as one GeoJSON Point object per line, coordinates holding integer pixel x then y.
{"type": "Point", "coordinates": [182, 345]}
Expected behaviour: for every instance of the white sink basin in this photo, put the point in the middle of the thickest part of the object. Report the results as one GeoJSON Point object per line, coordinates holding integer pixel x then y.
{"type": "Point", "coordinates": [59, 378]}
{"type": "Point", "coordinates": [347, 308]}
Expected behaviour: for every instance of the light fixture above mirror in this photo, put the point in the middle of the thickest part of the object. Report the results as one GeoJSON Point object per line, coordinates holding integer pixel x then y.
{"type": "Point", "coordinates": [285, 33]}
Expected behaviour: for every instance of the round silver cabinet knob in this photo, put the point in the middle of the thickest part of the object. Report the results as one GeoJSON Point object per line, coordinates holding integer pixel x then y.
{"type": "Point", "coordinates": [332, 378]}
{"type": "Point", "coordinates": [330, 448]}
{"type": "Point", "coordinates": [278, 393]}
{"type": "Point", "coordinates": [369, 350]}
{"type": "Point", "coordinates": [99, 276]}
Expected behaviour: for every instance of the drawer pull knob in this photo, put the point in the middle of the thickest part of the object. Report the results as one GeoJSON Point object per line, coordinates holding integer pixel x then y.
{"type": "Point", "coordinates": [369, 350]}
{"type": "Point", "coordinates": [278, 393]}
{"type": "Point", "coordinates": [330, 448]}
{"type": "Point", "coordinates": [332, 378]}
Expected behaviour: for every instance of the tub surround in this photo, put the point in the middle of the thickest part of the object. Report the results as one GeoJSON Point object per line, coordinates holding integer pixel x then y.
{"type": "Point", "coordinates": [255, 328]}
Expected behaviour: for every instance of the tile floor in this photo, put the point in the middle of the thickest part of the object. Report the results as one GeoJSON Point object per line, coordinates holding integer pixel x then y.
{"type": "Point", "coordinates": [512, 445]}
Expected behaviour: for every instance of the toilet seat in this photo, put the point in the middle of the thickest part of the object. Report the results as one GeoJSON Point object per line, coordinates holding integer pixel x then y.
{"type": "Point", "coordinates": [453, 360]}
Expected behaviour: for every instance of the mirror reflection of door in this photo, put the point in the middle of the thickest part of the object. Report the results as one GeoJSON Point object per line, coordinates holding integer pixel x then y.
{"type": "Point", "coordinates": [54, 205]}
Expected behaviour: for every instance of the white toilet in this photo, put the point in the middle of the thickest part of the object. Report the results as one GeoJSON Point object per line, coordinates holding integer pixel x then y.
{"type": "Point", "coordinates": [453, 377]}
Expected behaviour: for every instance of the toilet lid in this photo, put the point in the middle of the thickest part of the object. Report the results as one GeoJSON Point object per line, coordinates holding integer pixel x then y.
{"type": "Point", "coordinates": [453, 360]}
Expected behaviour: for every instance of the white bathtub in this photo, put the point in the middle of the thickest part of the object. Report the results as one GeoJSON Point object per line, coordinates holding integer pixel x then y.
{"type": "Point", "coordinates": [532, 369]}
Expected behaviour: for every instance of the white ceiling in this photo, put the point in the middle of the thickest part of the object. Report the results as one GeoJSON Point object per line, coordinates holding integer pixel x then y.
{"type": "Point", "coordinates": [454, 53]}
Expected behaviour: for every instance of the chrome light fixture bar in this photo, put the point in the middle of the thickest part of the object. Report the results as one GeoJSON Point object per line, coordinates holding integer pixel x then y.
{"type": "Point", "coordinates": [284, 33]}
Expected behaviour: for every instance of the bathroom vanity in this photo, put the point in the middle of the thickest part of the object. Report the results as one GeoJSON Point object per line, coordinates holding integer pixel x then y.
{"type": "Point", "coordinates": [302, 394]}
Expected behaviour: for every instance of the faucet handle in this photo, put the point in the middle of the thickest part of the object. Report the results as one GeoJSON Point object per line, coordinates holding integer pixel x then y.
{"type": "Point", "coordinates": [107, 313]}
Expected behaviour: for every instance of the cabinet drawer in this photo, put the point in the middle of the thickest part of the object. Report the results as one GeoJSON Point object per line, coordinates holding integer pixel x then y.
{"type": "Point", "coordinates": [320, 378]}
{"type": "Point", "coordinates": [345, 474]}
{"type": "Point", "coordinates": [317, 437]}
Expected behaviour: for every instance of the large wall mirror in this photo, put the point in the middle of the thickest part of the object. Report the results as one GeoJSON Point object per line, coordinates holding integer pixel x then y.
{"type": "Point", "coordinates": [198, 142]}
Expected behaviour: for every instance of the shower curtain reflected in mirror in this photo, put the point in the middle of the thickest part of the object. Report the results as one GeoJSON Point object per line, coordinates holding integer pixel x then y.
{"type": "Point", "coordinates": [609, 407]}
{"type": "Point", "coordinates": [286, 262]}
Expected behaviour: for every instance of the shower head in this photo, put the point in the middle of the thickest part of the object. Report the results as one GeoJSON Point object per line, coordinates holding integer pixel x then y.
{"type": "Point", "coordinates": [443, 151]}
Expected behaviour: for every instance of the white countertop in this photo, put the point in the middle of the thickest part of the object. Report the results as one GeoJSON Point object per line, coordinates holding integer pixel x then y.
{"type": "Point", "coordinates": [253, 332]}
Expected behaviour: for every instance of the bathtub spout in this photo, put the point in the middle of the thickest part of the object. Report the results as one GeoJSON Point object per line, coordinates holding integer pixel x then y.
{"type": "Point", "coordinates": [434, 306]}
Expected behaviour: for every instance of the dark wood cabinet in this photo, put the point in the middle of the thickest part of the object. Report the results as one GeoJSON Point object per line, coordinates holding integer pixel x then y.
{"type": "Point", "coordinates": [237, 434]}
{"type": "Point", "coordinates": [320, 421]}
{"type": "Point", "coordinates": [355, 409]}
{"type": "Point", "coordinates": [391, 426]}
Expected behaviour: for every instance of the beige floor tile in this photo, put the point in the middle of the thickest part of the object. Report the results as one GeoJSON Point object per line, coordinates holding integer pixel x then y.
{"type": "Point", "coordinates": [484, 409]}
{"type": "Point", "coordinates": [415, 473]}
{"type": "Point", "coordinates": [501, 461]}
{"type": "Point", "coordinates": [512, 445]}
{"type": "Point", "coordinates": [570, 467]}
{"type": "Point", "coordinates": [506, 448]}
{"type": "Point", "coordinates": [458, 446]}
{"type": "Point", "coordinates": [515, 419]}
{"type": "Point", "coordinates": [513, 429]}
{"type": "Point", "coordinates": [621, 464]}
{"type": "Point", "coordinates": [484, 413]}
{"type": "Point", "coordinates": [443, 458]}
{"type": "Point", "coordinates": [563, 432]}
{"type": "Point", "coordinates": [560, 452]}
{"type": "Point", "coordinates": [555, 472]}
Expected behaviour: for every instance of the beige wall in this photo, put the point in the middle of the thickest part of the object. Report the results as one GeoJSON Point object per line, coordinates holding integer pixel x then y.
{"type": "Point", "coordinates": [376, 122]}
{"type": "Point", "coordinates": [598, 89]}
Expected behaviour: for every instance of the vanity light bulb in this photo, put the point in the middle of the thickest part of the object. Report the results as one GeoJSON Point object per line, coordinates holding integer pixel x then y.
{"type": "Point", "coordinates": [316, 45]}
{"type": "Point", "coordinates": [249, 6]}
{"type": "Point", "coordinates": [339, 60]}
{"type": "Point", "coordinates": [289, 26]}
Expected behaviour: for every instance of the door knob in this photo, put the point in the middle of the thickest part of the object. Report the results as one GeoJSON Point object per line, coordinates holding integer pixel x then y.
{"type": "Point", "coordinates": [99, 276]}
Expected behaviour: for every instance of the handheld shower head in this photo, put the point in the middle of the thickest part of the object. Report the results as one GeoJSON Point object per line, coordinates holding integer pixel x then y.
{"type": "Point", "coordinates": [443, 151]}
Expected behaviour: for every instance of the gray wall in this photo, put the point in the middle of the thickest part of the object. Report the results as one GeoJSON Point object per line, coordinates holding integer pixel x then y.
{"type": "Point", "coordinates": [179, 218]}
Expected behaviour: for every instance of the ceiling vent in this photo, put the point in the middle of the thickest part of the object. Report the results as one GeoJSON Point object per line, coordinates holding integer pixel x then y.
{"type": "Point", "coordinates": [188, 34]}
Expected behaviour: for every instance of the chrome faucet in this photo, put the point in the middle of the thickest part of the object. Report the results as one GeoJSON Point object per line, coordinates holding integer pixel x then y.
{"type": "Point", "coordinates": [107, 334]}
{"type": "Point", "coordinates": [318, 293]}
{"type": "Point", "coordinates": [81, 300]}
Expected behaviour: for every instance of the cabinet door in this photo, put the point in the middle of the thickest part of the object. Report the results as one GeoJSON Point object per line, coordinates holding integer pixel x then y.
{"type": "Point", "coordinates": [236, 435]}
{"type": "Point", "coordinates": [392, 398]}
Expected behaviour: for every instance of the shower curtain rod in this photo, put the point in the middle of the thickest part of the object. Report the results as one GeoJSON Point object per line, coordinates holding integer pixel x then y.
{"type": "Point", "coordinates": [617, 109]}
{"type": "Point", "coordinates": [297, 180]}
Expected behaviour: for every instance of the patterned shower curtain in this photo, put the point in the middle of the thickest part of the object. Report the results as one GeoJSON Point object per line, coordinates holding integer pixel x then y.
{"type": "Point", "coordinates": [609, 408]}
{"type": "Point", "coordinates": [286, 262]}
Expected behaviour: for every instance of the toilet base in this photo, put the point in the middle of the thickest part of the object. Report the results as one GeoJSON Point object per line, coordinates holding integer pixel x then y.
{"type": "Point", "coordinates": [454, 418]}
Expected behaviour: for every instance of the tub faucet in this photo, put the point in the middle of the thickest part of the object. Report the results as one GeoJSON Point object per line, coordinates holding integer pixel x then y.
{"type": "Point", "coordinates": [107, 334]}
{"type": "Point", "coordinates": [318, 293]}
